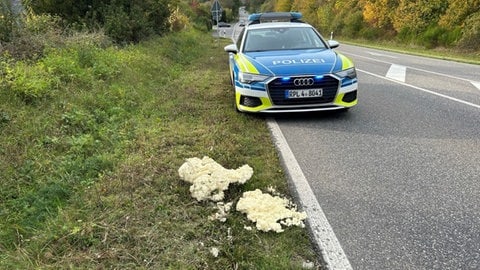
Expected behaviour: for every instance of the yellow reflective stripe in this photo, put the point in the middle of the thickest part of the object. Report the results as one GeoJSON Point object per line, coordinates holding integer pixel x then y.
{"type": "Point", "coordinates": [340, 102]}
{"type": "Point", "coordinates": [265, 104]}
{"type": "Point", "coordinates": [245, 65]}
{"type": "Point", "coordinates": [346, 62]}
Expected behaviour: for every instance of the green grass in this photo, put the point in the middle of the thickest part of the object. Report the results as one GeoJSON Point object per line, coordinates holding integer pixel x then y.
{"type": "Point", "coordinates": [90, 152]}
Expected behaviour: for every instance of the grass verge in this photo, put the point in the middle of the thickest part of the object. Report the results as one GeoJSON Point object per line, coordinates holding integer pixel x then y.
{"type": "Point", "coordinates": [89, 166]}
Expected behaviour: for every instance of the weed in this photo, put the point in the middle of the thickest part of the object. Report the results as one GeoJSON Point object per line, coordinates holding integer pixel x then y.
{"type": "Point", "coordinates": [31, 83]}
{"type": "Point", "coordinates": [4, 118]}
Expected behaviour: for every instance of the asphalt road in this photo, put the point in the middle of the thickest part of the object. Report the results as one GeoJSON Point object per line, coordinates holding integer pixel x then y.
{"type": "Point", "coordinates": [398, 176]}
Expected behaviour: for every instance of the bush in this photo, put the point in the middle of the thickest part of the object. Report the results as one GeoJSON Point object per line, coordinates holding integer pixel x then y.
{"type": "Point", "coordinates": [471, 33]}
{"type": "Point", "coordinates": [31, 83]}
{"type": "Point", "coordinates": [117, 24]}
{"type": "Point", "coordinates": [7, 21]}
{"type": "Point", "coordinates": [353, 24]}
{"type": "Point", "coordinates": [32, 35]}
{"type": "Point", "coordinates": [430, 38]}
{"type": "Point", "coordinates": [371, 33]}
{"type": "Point", "coordinates": [124, 20]}
{"type": "Point", "coordinates": [451, 37]}
{"type": "Point", "coordinates": [177, 20]}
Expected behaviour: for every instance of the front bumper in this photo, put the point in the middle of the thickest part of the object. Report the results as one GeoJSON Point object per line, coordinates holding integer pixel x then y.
{"type": "Point", "coordinates": [270, 97]}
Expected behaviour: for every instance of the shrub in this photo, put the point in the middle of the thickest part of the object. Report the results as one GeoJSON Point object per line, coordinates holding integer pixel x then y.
{"type": "Point", "coordinates": [177, 20]}
{"type": "Point", "coordinates": [431, 37]}
{"type": "Point", "coordinates": [7, 21]}
{"type": "Point", "coordinates": [32, 35]}
{"type": "Point", "coordinates": [353, 24]}
{"type": "Point", "coordinates": [406, 35]}
{"type": "Point", "coordinates": [371, 33]}
{"type": "Point", "coordinates": [31, 83]}
{"type": "Point", "coordinates": [133, 22]}
{"type": "Point", "coordinates": [117, 24]}
{"type": "Point", "coordinates": [470, 39]}
{"type": "Point", "coordinates": [124, 20]}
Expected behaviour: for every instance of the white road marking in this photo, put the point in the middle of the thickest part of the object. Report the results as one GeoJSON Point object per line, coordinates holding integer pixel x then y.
{"type": "Point", "coordinates": [422, 89]}
{"type": "Point", "coordinates": [476, 84]}
{"type": "Point", "coordinates": [324, 237]}
{"type": "Point", "coordinates": [397, 72]}
{"type": "Point", "coordinates": [382, 55]}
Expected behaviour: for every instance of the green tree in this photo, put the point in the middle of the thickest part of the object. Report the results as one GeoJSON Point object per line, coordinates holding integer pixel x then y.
{"type": "Point", "coordinates": [345, 13]}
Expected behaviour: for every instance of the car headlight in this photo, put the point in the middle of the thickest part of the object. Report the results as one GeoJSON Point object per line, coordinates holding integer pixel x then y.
{"type": "Point", "coordinates": [350, 73]}
{"type": "Point", "coordinates": [249, 77]}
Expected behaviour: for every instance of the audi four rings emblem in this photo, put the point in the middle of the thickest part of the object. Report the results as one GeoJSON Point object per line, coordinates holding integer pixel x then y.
{"type": "Point", "coordinates": [303, 81]}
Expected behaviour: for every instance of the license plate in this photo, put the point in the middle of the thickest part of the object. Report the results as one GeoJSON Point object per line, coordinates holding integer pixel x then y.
{"type": "Point", "coordinates": [304, 93]}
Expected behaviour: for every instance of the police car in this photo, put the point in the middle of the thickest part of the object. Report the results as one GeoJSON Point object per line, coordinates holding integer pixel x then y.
{"type": "Point", "coordinates": [280, 64]}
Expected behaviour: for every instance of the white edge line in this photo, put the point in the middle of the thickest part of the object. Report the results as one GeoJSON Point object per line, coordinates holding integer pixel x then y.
{"type": "Point", "coordinates": [422, 89]}
{"type": "Point", "coordinates": [325, 240]}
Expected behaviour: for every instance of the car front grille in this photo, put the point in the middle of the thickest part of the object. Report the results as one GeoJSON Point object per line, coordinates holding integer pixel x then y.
{"type": "Point", "coordinates": [278, 87]}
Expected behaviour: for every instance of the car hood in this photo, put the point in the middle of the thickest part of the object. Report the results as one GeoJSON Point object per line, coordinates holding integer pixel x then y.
{"type": "Point", "coordinates": [292, 62]}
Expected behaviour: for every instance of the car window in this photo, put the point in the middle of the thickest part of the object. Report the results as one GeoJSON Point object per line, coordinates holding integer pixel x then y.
{"type": "Point", "coordinates": [282, 38]}
{"type": "Point", "coordinates": [240, 37]}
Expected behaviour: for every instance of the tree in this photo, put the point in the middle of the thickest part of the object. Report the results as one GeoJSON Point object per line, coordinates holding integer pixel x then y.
{"type": "Point", "coordinates": [308, 8]}
{"type": "Point", "coordinates": [458, 11]}
{"type": "Point", "coordinates": [378, 13]}
{"type": "Point", "coordinates": [283, 5]}
{"type": "Point", "coordinates": [415, 16]}
{"type": "Point", "coordinates": [471, 33]}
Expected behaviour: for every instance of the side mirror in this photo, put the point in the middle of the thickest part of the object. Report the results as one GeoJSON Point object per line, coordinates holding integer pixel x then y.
{"type": "Point", "coordinates": [333, 44]}
{"type": "Point", "coordinates": [232, 48]}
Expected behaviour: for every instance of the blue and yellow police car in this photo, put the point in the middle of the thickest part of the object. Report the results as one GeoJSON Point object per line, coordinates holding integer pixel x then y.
{"type": "Point", "coordinates": [281, 64]}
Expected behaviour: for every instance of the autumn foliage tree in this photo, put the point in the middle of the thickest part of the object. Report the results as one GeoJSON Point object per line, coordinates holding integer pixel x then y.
{"type": "Point", "coordinates": [431, 23]}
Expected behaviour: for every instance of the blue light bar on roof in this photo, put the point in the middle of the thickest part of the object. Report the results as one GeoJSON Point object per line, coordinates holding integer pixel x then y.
{"type": "Point", "coordinates": [254, 17]}
{"type": "Point", "coordinates": [275, 16]}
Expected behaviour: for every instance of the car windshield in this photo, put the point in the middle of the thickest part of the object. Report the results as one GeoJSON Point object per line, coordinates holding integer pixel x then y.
{"type": "Point", "coordinates": [284, 38]}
